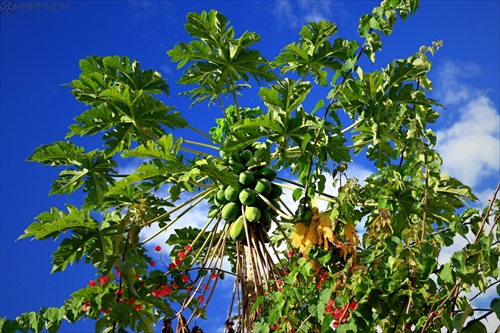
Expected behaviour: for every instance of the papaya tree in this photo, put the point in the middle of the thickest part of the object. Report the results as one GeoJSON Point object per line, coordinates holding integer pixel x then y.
{"type": "Point", "coordinates": [310, 247]}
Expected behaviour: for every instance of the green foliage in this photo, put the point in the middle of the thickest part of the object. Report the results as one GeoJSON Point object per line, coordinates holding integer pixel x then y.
{"type": "Point", "coordinates": [390, 278]}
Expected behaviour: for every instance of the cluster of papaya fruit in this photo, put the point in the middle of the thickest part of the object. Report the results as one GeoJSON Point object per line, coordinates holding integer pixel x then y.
{"type": "Point", "coordinates": [245, 201]}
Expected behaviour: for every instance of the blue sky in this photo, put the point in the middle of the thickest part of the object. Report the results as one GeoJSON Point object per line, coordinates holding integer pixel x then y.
{"type": "Point", "coordinates": [40, 50]}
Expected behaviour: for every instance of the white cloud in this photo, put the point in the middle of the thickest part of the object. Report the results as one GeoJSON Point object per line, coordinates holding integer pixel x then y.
{"type": "Point", "coordinates": [452, 89]}
{"type": "Point", "coordinates": [470, 145]}
{"type": "Point", "coordinates": [291, 14]}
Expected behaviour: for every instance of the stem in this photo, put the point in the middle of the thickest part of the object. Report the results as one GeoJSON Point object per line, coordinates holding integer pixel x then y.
{"type": "Point", "coordinates": [426, 193]}
{"type": "Point", "coordinates": [234, 95]}
{"type": "Point", "coordinates": [202, 133]}
{"type": "Point", "coordinates": [200, 144]}
{"type": "Point", "coordinates": [200, 195]}
{"type": "Point", "coordinates": [485, 218]}
{"type": "Point", "coordinates": [318, 132]}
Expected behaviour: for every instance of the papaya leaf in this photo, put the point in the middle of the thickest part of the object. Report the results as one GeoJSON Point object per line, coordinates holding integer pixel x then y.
{"type": "Point", "coordinates": [55, 222]}
{"type": "Point", "coordinates": [91, 170]}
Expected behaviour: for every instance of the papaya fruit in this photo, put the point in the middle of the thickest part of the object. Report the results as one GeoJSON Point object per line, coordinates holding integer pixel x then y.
{"type": "Point", "coordinates": [276, 204]}
{"type": "Point", "coordinates": [235, 157]}
{"type": "Point", "coordinates": [252, 214]}
{"type": "Point", "coordinates": [221, 198]}
{"type": "Point", "coordinates": [245, 156]}
{"type": "Point", "coordinates": [275, 193]}
{"type": "Point", "coordinates": [263, 186]}
{"type": "Point", "coordinates": [236, 167]}
{"type": "Point", "coordinates": [246, 178]}
{"type": "Point", "coordinates": [267, 173]}
{"type": "Point", "coordinates": [247, 196]}
{"type": "Point", "coordinates": [266, 220]}
{"type": "Point", "coordinates": [237, 229]}
{"type": "Point", "coordinates": [231, 211]}
{"type": "Point", "coordinates": [260, 203]}
{"type": "Point", "coordinates": [231, 193]}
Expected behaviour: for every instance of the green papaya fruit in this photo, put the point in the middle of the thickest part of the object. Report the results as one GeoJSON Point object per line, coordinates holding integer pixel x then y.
{"type": "Point", "coordinates": [231, 193]}
{"type": "Point", "coordinates": [263, 186]}
{"type": "Point", "coordinates": [266, 220]}
{"type": "Point", "coordinates": [247, 196]}
{"type": "Point", "coordinates": [245, 156]}
{"type": "Point", "coordinates": [221, 198]}
{"type": "Point", "coordinates": [275, 193]}
{"type": "Point", "coordinates": [267, 173]}
{"type": "Point", "coordinates": [235, 156]}
{"type": "Point", "coordinates": [236, 167]}
{"type": "Point", "coordinates": [260, 203]}
{"type": "Point", "coordinates": [231, 211]}
{"type": "Point", "coordinates": [276, 204]}
{"type": "Point", "coordinates": [246, 178]}
{"type": "Point", "coordinates": [252, 214]}
{"type": "Point", "coordinates": [237, 229]}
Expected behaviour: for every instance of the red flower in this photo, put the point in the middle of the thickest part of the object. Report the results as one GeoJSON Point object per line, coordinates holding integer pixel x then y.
{"type": "Point", "coordinates": [85, 306]}
{"type": "Point", "coordinates": [328, 309]}
{"type": "Point", "coordinates": [272, 327]}
{"type": "Point", "coordinates": [289, 254]}
{"type": "Point", "coordinates": [103, 279]}
{"type": "Point", "coordinates": [185, 278]}
{"type": "Point", "coordinates": [181, 255]}
{"type": "Point", "coordinates": [187, 248]}
{"type": "Point", "coordinates": [118, 273]}
{"type": "Point", "coordinates": [353, 305]}
{"type": "Point", "coordinates": [331, 302]}
{"type": "Point", "coordinates": [92, 283]}
{"type": "Point", "coordinates": [201, 298]}
{"type": "Point", "coordinates": [337, 313]}
{"type": "Point", "coordinates": [131, 301]}
{"type": "Point", "coordinates": [175, 285]}
{"type": "Point", "coordinates": [167, 290]}
{"type": "Point", "coordinates": [138, 307]}
{"type": "Point", "coordinates": [152, 264]}
{"type": "Point", "coordinates": [157, 248]}
{"type": "Point", "coordinates": [156, 293]}
{"type": "Point", "coordinates": [188, 289]}
{"type": "Point", "coordinates": [206, 286]}
{"type": "Point", "coordinates": [214, 276]}
{"type": "Point", "coordinates": [178, 262]}
{"type": "Point", "coordinates": [119, 292]}
{"type": "Point", "coordinates": [172, 265]}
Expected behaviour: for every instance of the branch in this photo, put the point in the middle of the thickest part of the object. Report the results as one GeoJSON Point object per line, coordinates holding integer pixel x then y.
{"type": "Point", "coordinates": [486, 215]}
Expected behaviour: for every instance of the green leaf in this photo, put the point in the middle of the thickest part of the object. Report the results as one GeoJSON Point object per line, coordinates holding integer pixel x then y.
{"type": "Point", "coordinates": [217, 56]}
{"type": "Point", "coordinates": [91, 170]}
{"type": "Point", "coordinates": [475, 327]}
{"type": "Point", "coordinates": [55, 222]}
{"type": "Point", "coordinates": [315, 52]}
{"type": "Point", "coordinates": [88, 243]}
{"type": "Point", "coordinates": [495, 306]}
{"type": "Point", "coordinates": [123, 106]}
